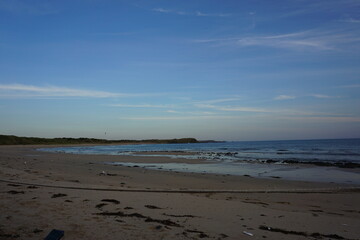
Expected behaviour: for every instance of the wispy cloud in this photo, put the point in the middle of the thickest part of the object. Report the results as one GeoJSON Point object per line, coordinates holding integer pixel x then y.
{"type": "Point", "coordinates": [284, 97]}
{"type": "Point", "coordinates": [162, 10]}
{"type": "Point", "coordinates": [289, 97]}
{"type": "Point", "coordinates": [233, 108]}
{"type": "Point", "coordinates": [196, 13]}
{"type": "Point", "coordinates": [312, 7]}
{"type": "Point", "coordinates": [191, 113]}
{"type": "Point", "coordinates": [312, 39]}
{"type": "Point", "coordinates": [269, 112]}
{"type": "Point", "coordinates": [217, 40]}
{"type": "Point", "coordinates": [201, 14]}
{"type": "Point", "coordinates": [172, 111]}
{"type": "Point", "coordinates": [342, 119]}
{"type": "Point", "coordinates": [350, 20]}
{"type": "Point", "coordinates": [139, 106]}
{"type": "Point", "coordinates": [290, 41]}
{"type": "Point", "coordinates": [177, 118]}
{"type": "Point", "coordinates": [30, 91]}
{"type": "Point", "coordinates": [220, 100]}
{"type": "Point", "coordinates": [323, 96]}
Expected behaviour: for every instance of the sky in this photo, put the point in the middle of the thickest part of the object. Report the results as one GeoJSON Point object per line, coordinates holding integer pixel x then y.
{"type": "Point", "coordinates": [209, 69]}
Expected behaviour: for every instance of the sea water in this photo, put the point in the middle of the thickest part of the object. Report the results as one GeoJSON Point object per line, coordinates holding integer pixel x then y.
{"type": "Point", "coordinates": [329, 160]}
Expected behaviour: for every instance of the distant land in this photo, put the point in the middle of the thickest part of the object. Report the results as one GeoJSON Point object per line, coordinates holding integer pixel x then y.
{"type": "Point", "coordinates": [15, 140]}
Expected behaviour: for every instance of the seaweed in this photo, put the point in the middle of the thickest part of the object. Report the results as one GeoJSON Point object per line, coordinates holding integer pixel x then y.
{"type": "Point", "coordinates": [16, 192]}
{"type": "Point", "coordinates": [152, 207]}
{"type": "Point", "coordinates": [111, 201]}
{"type": "Point", "coordinates": [186, 216]}
{"type": "Point", "coordinates": [166, 222]}
{"type": "Point", "coordinates": [58, 195]}
{"type": "Point", "coordinates": [100, 205]}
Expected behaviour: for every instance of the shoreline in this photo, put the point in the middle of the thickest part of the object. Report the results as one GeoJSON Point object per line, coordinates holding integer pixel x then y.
{"type": "Point", "coordinates": [214, 155]}
{"type": "Point", "coordinates": [241, 203]}
{"type": "Point", "coordinates": [196, 162]}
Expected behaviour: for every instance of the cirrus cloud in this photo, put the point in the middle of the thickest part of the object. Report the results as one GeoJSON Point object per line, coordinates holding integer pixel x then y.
{"type": "Point", "coordinates": [313, 39]}
{"type": "Point", "coordinates": [31, 91]}
{"type": "Point", "coordinates": [284, 97]}
{"type": "Point", "coordinates": [196, 13]}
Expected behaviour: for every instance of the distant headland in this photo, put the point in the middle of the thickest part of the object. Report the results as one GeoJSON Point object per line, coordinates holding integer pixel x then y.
{"type": "Point", "coordinates": [15, 140]}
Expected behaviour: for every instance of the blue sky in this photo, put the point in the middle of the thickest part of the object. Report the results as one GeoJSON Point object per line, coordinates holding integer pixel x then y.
{"type": "Point", "coordinates": [210, 69]}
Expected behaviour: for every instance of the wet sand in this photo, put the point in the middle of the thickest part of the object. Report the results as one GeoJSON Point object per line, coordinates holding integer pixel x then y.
{"type": "Point", "coordinates": [87, 199]}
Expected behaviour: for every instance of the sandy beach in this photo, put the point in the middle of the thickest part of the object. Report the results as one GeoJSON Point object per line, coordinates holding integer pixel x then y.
{"type": "Point", "coordinates": [87, 199]}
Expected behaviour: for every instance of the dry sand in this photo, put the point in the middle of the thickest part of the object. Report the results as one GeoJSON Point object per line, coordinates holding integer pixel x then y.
{"type": "Point", "coordinates": [43, 191]}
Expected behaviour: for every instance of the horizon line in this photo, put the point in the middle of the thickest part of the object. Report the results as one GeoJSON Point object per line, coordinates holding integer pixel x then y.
{"type": "Point", "coordinates": [200, 140]}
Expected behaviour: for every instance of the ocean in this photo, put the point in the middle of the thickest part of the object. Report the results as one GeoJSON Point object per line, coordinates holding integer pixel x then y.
{"type": "Point", "coordinates": [335, 160]}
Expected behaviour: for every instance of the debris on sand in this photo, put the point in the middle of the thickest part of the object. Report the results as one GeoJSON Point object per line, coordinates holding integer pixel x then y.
{"type": "Point", "coordinates": [36, 230]}
{"type": "Point", "coordinates": [103, 173]}
{"type": "Point", "coordinates": [314, 235]}
{"type": "Point", "coordinates": [58, 195]}
{"type": "Point", "coordinates": [100, 205]}
{"type": "Point", "coordinates": [138, 215]}
{"type": "Point", "coordinates": [256, 202]}
{"type": "Point", "coordinates": [180, 216]}
{"type": "Point", "coordinates": [166, 222]}
{"type": "Point", "coordinates": [16, 192]}
{"type": "Point", "coordinates": [152, 207]}
{"type": "Point", "coordinates": [14, 185]}
{"type": "Point", "coordinates": [248, 233]}
{"type": "Point", "coordinates": [200, 233]}
{"type": "Point", "coordinates": [111, 201]}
